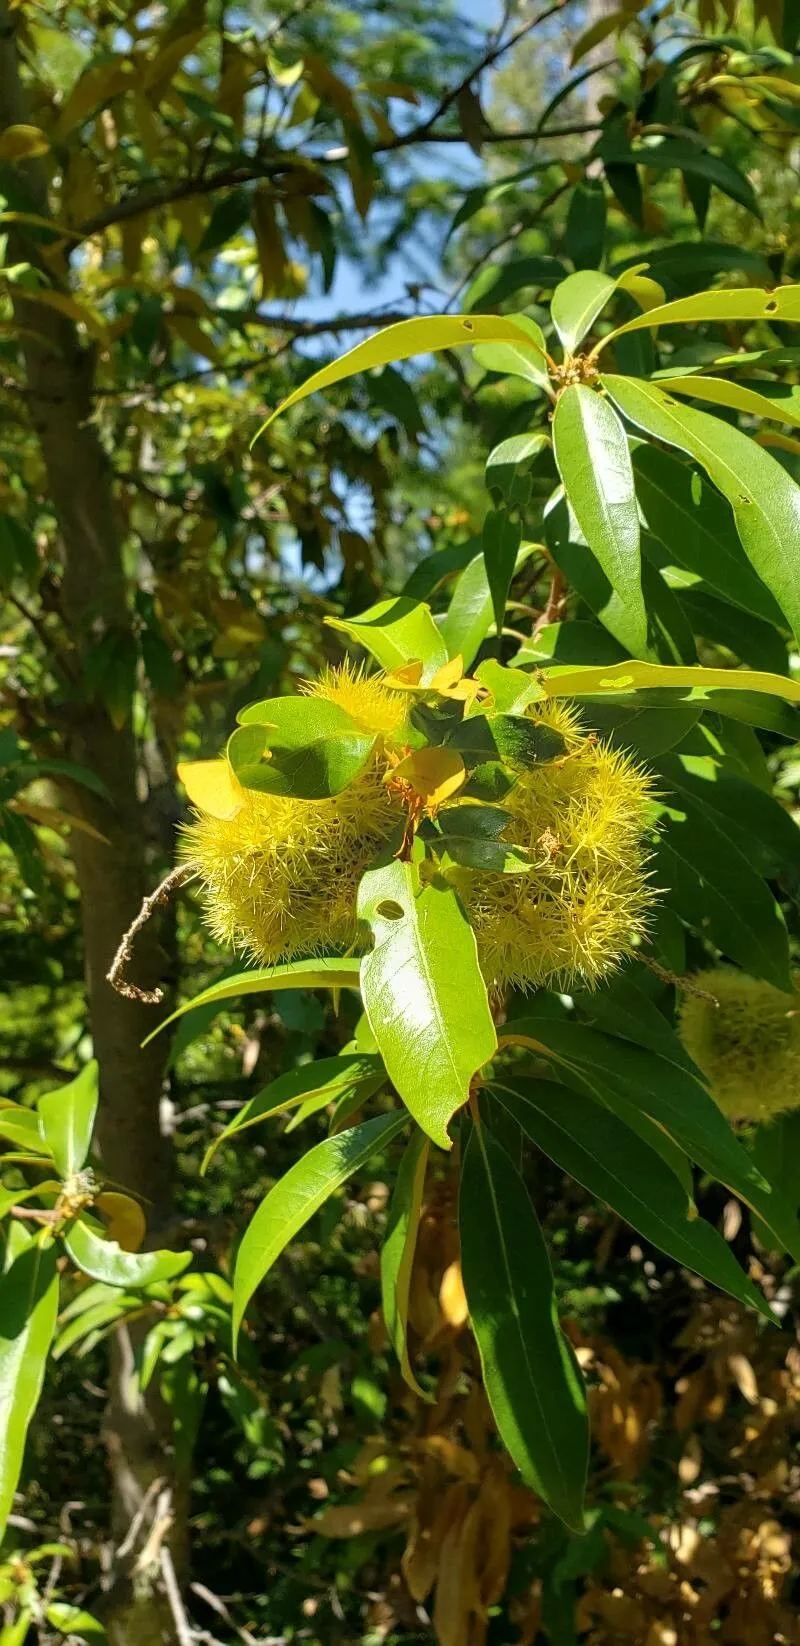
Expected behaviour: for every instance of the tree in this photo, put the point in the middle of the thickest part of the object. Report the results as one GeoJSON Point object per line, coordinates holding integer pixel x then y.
{"type": "Point", "coordinates": [583, 555]}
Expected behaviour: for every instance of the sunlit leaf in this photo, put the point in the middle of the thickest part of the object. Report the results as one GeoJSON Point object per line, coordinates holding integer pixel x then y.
{"type": "Point", "coordinates": [67, 1120]}
{"type": "Point", "coordinates": [396, 632]}
{"type": "Point", "coordinates": [298, 1195]}
{"type": "Point", "coordinates": [291, 974]}
{"type": "Point", "coordinates": [103, 1259]}
{"type": "Point", "coordinates": [534, 1386]}
{"type": "Point", "coordinates": [423, 993]}
{"type": "Point", "coordinates": [28, 1309]}
{"type": "Point", "coordinates": [577, 302]}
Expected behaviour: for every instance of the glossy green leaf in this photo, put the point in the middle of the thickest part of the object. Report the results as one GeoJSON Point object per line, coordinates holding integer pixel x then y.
{"type": "Point", "coordinates": [316, 973]}
{"type": "Point", "coordinates": [423, 336]}
{"type": "Point", "coordinates": [650, 1082]}
{"type": "Point", "coordinates": [594, 461]}
{"type": "Point", "coordinates": [436, 568]}
{"type": "Point", "coordinates": [669, 637]}
{"type": "Point", "coordinates": [395, 632]}
{"type": "Point", "coordinates": [696, 525]}
{"type": "Point", "coordinates": [501, 540]}
{"type": "Point", "coordinates": [724, 307]}
{"type": "Point", "coordinates": [596, 1148]}
{"type": "Point", "coordinates": [326, 1079]}
{"type": "Point", "coordinates": [763, 830]}
{"type": "Point", "coordinates": [28, 1309]}
{"type": "Point", "coordinates": [641, 729]}
{"type": "Point", "coordinates": [576, 304]}
{"type": "Point", "coordinates": [298, 1195]}
{"type": "Point", "coordinates": [755, 643]}
{"type": "Point", "coordinates": [423, 993]}
{"type": "Point", "coordinates": [399, 1246]}
{"type": "Point", "coordinates": [533, 1383]}
{"type": "Point", "coordinates": [471, 836]}
{"type": "Point", "coordinates": [17, 1197]}
{"type": "Point", "coordinates": [21, 1127]}
{"type": "Point", "coordinates": [315, 749]}
{"type": "Point", "coordinates": [104, 1260]}
{"type": "Point", "coordinates": [516, 360]}
{"type": "Point", "coordinates": [695, 685]}
{"type": "Point", "coordinates": [504, 463]}
{"type": "Point", "coordinates": [470, 615]}
{"type": "Point", "coordinates": [499, 281]}
{"type": "Point", "coordinates": [764, 498]}
{"type": "Point", "coordinates": [91, 1322]}
{"type": "Point", "coordinates": [779, 401]}
{"type": "Point", "coordinates": [512, 690]}
{"type": "Point", "coordinates": [715, 890]}
{"type": "Point", "coordinates": [67, 1116]}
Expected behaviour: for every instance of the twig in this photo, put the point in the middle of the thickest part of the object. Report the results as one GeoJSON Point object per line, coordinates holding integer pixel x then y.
{"type": "Point", "coordinates": [218, 1606]}
{"type": "Point", "coordinates": [126, 1546]}
{"type": "Point", "coordinates": [183, 1628]}
{"type": "Point", "coordinates": [421, 132]}
{"type": "Point", "coordinates": [556, 600]}
{"type": "Point", "coordinates": [686, 984]}
{"type": "Point", "coordinates": [116, 973]}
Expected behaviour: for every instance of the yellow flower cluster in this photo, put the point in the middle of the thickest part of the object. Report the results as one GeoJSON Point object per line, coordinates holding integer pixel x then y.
{"type": "Point", "coordinates": [574, 917]}
{"type": "Point", "coordinates": [280, 875]}
{"type": "Point", "coordinates": [746, 1040]}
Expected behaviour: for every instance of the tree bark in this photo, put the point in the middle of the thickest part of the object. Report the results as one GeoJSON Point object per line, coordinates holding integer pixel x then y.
{"type": "Point", "coordinates": [112, 878]}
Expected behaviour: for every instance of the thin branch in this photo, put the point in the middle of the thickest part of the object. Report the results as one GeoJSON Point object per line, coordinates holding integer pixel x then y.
{"type": "Point", "coordinates": [422, 132]}
{"type": "Point", "coordinates": [142, 200]}
{"type": "Point", "coordinates": [183, 1628]}
{"type": "Point", "coordinates": [119, 965]}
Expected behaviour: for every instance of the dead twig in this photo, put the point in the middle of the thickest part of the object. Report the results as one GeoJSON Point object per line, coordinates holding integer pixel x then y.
{"type": "Point", "coordinates": [116, 973]}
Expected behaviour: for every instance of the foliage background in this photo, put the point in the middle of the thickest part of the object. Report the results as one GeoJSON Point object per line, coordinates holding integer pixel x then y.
{"type": "Point", "coordinates": [155, 575]}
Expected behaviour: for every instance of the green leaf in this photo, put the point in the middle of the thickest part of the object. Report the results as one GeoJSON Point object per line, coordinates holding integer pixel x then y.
{"type": "Point", "coordinates": [504, 463]}
{"type": "Point", "coordinates": [423, 336]}
{"type": "Point", "coordinates": [749, 638]}
{"type": "Point", "coordinates": [594, 461]}
{"type": "Point", "coordinates": [757, 824]}
{"type": "Point", "coordinates": [501, 541]}
{"type": "Point", "coordinates": [28, 1309]}
{"type": "Point", "coordinates": [576, 304]}
{"type": "Point", "coordinates": [104, 1260]}
{"type": "Point", "coordinates": [512, 739]}
{"type": "Point", "coordinates": [596, 1148]}
{"type": "Point", "coordinates": [628, 1078]}
{"type": "Point", "coordinates": [764, 498]}
{"type": "Point", "coordinates": [586, 223]}
{"type": "Point", "coordinates": [709, 686]}
{"type": "Point", "coordinates": [642, 730]}
{"type": "Point", "coordinates": [67, 1120]}
{"type": "Point", "coordinates": [399, 1246]}
{"type": "Point", "coordinates": [470, 615]}
{"type": "Point", "coordinates": [723, 307]}
{"type": "Point", "coordinates": [512, 690]}
{"type": "Point", "coordinates": [93, 1321]}
{"type": "Point", "coordinates": [75, 1622]}
{"type": "Point", "coordinates": [694, 523]}
{"type": "Point", "coordinates": [315, 747]}
{"type": "Point", "coordinates": [715, 890]}
{"type": "Point", "coordinates": [514, 360]}
{"type": "Point", "coordinates": [297, 1196]}
{"type": "Point", "coordinates": [395, 632]}
{"type": "Point", "coordinates": [779, 401]}
{"type": "Point", "coordinates": [21, 1127]}
{"type": "Point", "coordinates": [499, 281]}
{"type": "Point", "coordinates": [471, 837]}
{"type": "Point", "coordinates": [437, 567]}
{"type": "Point", "coordinates": [18, 554]}
{"type": "Point", "coordinates": [533, 1383]}
{"type": "Point", "coordinates": [326, 1079]}
{"type": "Point", "coordinates": [316, 973]}
{"type": "Point", "coordinates": [423, 993]}
{"type": "Point", "coordinates": [669, 635]}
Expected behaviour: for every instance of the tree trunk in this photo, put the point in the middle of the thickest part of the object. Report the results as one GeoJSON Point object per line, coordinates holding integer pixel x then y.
{"type": "Point", "coordinates": [112, 878]}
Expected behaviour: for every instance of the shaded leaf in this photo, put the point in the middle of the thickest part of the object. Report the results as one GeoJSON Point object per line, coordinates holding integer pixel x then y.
{"type": "Point", "coordinates": [28, 1309]}
{"type": "Point", "coordinates": [399, 1246]}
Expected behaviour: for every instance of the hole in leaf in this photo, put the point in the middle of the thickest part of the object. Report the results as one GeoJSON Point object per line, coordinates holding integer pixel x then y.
{"type": "Point", "coordinates": [468, 325]}
{"type": "Point", "coordinates": [743, 498]}
{"type": "Point", "coordinates": [772, 306]}
{"type": "Point", "coordinates": [390, 910]}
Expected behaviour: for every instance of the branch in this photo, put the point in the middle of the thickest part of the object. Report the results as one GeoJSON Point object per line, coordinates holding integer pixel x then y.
{"type": "Point", "coordinates": [421, 133]}
{"type": "Point", "coordinates": [578, 129]}
{"type": "Point", "coordinates": [140, 200]}
{"type": "Point", "coordinates": [119, 965]}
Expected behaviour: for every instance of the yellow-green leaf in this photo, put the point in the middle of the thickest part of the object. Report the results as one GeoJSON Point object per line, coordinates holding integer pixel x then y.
{"type": "Point", "coordinates": [397, 1253]}
{"type": "Point", "coordinates": [779, 401]}
{"type": "Point", "coordinates": [724, 307]}
{"type": "Point", "coordinates": [423, 336]}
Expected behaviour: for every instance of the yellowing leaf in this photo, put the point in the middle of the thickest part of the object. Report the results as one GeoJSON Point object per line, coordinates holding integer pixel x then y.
{"type": "Point", "coordinates": [125, 1219]}
{"type": "Point", "coordinates": [23, 143]}
{"type": "Point", "coordinates": [52, 816]}
{"type": "Point", "coordinates": [423, 336]}
{"type": "Point", "coordinates": [448, 675]}
{"type": "Point", "coordinates": [410, 674]}
{"type": "Point", "coordinates": [452, 1297]}
{"type": "Point", "coordinates": [211, 786]}
{"type": "Point", "coordinates": [192, 334]}
{"type": "Point", "coordinates": [646, 292]}
{"type": "Point", "coordinates": [69, 306]}
{"type": "Point", "coordinates": [436, 773]}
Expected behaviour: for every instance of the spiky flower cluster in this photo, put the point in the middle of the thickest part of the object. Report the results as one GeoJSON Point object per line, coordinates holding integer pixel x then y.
{"type": "Point", "coordinates": [280, 876]}
{"type": "Point", "coordinates": [745, 1036]}
{"type": "Point", "coordinates": [574, 917]}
